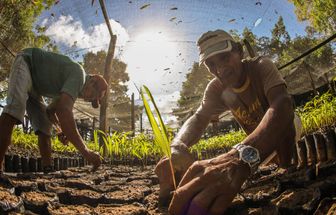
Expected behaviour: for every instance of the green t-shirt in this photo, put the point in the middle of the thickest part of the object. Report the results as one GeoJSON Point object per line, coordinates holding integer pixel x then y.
{"type": "Point", "coordinates": [54, 73]}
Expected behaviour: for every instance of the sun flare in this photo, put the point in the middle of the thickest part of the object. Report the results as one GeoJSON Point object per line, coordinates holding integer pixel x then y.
{"type": "Point", "coordinates": [149, 53]}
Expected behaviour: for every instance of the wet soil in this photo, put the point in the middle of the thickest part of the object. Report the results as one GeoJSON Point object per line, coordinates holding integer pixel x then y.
{"type": "Point", "coordinates": [134, 191]}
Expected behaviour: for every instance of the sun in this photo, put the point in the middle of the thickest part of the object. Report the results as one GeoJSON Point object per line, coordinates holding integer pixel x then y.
{"type": "Point", "coordinates": [149, 53]}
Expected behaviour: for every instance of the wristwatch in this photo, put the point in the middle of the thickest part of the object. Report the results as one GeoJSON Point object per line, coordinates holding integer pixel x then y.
{"type": "Point", "coordinates": [249, 155]}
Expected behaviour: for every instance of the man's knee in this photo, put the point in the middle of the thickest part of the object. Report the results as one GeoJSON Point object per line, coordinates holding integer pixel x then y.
{"type": "Point", "coordinates": [9, 120]}
{"type": "Point", "coordinates": [286, 151]}
{"type": "Point", "coordinates": [43, 136]}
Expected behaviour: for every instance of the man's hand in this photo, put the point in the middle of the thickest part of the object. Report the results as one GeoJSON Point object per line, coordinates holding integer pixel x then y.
{"type": "Point", "coordinates": [181, 160]}
{"type": "Point", "coordinates": [54, 120]}
{"type": "Point", "coordinates": [62, 138]}
{"type": "Point", "coordinates": [94, 159]}
{"type": "Point", "coordinates": [209, 186]}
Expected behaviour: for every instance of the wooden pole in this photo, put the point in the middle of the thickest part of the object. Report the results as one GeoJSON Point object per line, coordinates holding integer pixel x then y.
{"type": "Point", "coordinates": [102, 6]}
{"type": "Point", "coordinates": [330, 86]}
{"type": "Point", "coordinates": [132, 115]}
{"type": "Point", "coordinates": [249, 48]}
{"type": "Point", "coordinates": [107, 72]}
{"type": "Point", "coordinates": [107, 76]}
{"type": "Point", "coordinates": [141, 129]}
{"type": "Point", "coordinates": [93, 126]}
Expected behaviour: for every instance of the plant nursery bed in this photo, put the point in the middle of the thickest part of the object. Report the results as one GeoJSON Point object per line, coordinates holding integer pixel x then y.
{"type": "Point", "coordinates": [9, 201]}
{"type": "Point", "coordinates": [38, 202]}
{"type": "Point", "coordinates": [134, 190]}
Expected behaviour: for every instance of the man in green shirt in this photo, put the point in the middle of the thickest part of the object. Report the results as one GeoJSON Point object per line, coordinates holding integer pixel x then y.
{"type": "Point", "coordinates": [35, 74]}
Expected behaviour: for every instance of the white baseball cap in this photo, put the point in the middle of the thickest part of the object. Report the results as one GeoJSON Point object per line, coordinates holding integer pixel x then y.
{"type": "Point", "coordinates": [214, 42]}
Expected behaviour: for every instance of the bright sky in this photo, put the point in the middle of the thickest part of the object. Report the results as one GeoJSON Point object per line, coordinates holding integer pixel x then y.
{"type": "Point", "coordinates": [158, 42]}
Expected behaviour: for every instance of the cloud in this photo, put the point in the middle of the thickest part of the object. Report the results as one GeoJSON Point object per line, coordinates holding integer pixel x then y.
{"type": "Point", "coordinates": [141, 59]}
{"type": "Point", "coordinates": [69, 32]}
{"type": "Point", "coordinates": [165, 105]}
{"type": "Point", "coordinates": [167, 101]}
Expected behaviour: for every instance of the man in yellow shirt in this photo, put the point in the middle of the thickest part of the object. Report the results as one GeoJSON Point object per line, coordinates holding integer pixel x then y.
{"type": "Point", "coordinates": [256, 94]}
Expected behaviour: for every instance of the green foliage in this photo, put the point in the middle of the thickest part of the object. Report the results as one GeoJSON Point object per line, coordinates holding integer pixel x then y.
{"type": "Point", "coordinates": [192, 91]}
{"type": "Point", "coordinates": [24, 140]}
{"type": "Point", "coordinates": [58, 146]}
{"type": "Point", "coordinates": [319, 113]}
{"type": "Point", "coordinates": [250, 37]}
{"type": "Point", "coordinates": [95, 146]}
{"type": "Point", "coordinates": [119, 104]}
{"type": "Point", "coordinates": [321, 58]}
{"type": "Point", "coordinates": [17, 31]}
{"type": "Point", "coordinates": [280, 38]}
{"type": "Point", "coordinates": [161, 138]}
{"type": "Point", "coordinates": [122, 146]}
{"type": "Point", "coordinates": [30, 142]}
{"type": "Point", "coordinates": [218, 142]}
{"type": "Point", "coordinates": [320, 13]}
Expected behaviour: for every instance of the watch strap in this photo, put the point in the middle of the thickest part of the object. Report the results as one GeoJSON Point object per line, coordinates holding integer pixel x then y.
{"type": "Point", "coordinates": [253, 165]}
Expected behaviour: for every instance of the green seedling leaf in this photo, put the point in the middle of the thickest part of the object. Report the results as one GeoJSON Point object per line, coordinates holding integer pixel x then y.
{"type": "Point", "coordinates": [161, 138]}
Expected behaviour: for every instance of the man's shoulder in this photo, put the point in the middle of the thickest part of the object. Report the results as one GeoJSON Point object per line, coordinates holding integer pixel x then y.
{"type": "Point", "coordinates": [75, 69]}
{"type": "Point", "coordinates": [34, 50]}
{"type": "Point", "coordinates": [258, 61]}
{"type": "Point", "coordinates": [264, 61]}
{"type": "Point", "coordinates": [214, 84]}
{"type": "Point", "coordinates": [260, 64]}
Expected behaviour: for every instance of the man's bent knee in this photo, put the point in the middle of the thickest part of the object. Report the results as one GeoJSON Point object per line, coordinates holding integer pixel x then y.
{"type": "Point", "coordinates": [9, 119]}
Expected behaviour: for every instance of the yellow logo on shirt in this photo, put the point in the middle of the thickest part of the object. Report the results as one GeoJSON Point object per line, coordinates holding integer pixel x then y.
{"type": "Point", "coordinates": [245, 115]}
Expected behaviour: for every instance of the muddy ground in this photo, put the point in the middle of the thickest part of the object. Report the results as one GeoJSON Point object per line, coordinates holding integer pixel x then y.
{"type": "Point", "coordinates": [134, 190]}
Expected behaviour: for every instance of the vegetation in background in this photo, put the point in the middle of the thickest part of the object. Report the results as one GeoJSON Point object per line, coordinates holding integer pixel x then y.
{"type": "Point", "coordinates": [192, 91]}
{"type": "Point", "coordinates": [119, 102]}
{"type": "Point", "coordinates": [320, 13]}
{"type": "Point", "coordinates": [30, 142]}
{"type": "Point", "coordinates": [17, 32]}
{"type": "Point", "coordinates": [221, 142]}
{"type": "Point", "coordinates": [123, 146]}
{"type": "Point", "coordinates": [319, 113]}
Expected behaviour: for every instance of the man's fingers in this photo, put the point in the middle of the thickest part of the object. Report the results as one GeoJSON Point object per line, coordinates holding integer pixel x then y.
{"type": "Point", "coordinates": [221, 204]}
{"type": "Point", "coordinates": [183, 196]}
{"type": "Point", "coordinates": [202, 201]}
{"type": "Point", "coordinates": [227, 195]}
{"type": "Point", "coordinates": [193, 170]}
{"type": "Point", "coordinates": [163, 171]}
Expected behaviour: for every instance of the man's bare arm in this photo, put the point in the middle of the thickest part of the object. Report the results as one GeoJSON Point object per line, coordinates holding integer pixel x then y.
{"type": "Point", "coordinates": [192, 130]}
{"type": "Point", "coordinates": [63, 108]}
{"type": "Point", "coordinates": [278, 118]}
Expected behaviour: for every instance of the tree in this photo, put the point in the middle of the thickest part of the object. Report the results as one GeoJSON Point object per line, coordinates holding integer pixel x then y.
{"type": "Point", "coordinates": [192, 91]}
{"type": "Point", "coordinates": [264, 47]}
{"type": "Point", "coordinates": [119, 103]}
{"type": "Point", "coordinates": [319, 59]}
{"type": "Point", "coordinates": [250, 37]}
{"type": "Point", "coordinates": [280, 38]}
{"type": "Point", "coordinates": [320, 13]}
{"type": "Point", "coordinates": [17, 32]}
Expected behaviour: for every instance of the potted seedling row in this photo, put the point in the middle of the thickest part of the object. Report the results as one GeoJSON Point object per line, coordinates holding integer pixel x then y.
{"type": "Point", "coordinates": [318, 118]}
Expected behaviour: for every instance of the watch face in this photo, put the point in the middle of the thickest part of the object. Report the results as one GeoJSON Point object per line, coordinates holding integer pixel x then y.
{"type": "Point", "coordinates": [250, 155]}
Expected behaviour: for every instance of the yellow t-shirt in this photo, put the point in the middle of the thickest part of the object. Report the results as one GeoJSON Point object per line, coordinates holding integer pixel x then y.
{"type": "Point", "coordinates": [249, 106]}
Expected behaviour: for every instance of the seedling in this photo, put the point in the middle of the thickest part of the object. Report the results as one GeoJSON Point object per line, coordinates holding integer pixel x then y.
{"type": "Point", "coordinates": [161, 138]}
